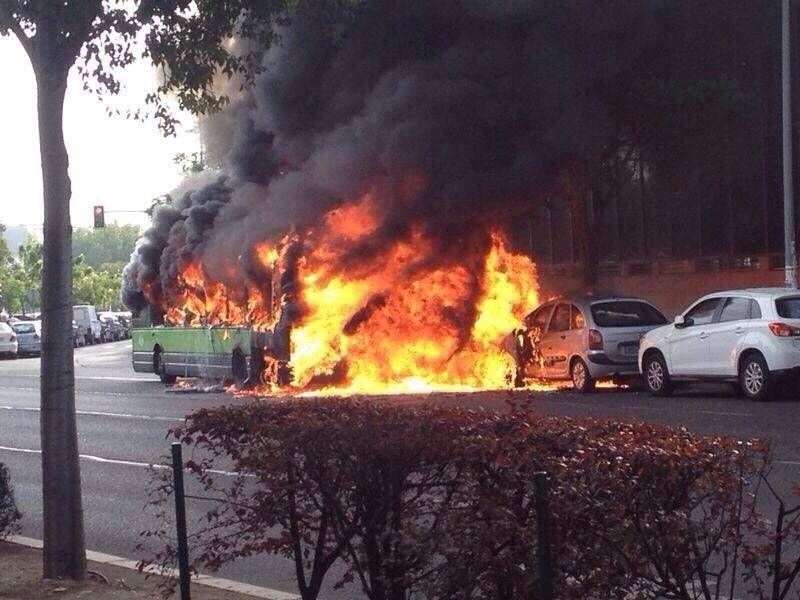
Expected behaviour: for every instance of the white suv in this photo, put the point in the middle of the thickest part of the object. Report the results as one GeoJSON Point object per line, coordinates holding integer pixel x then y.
{"type": "Point", "coordinates": [750, 337]}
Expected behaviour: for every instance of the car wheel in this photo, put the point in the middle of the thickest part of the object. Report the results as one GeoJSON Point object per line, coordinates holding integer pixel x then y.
{"type": "Point", "coordinates": [656, 375]}
{"type": "Point", "coordinates": [581, 378]}
{"type": "Point", "coordinates": [754, 378]}
{"type": "Point", "coordinates": [160, 369]}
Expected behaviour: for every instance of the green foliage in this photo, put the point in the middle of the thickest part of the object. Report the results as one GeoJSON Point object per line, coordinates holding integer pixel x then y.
{"type": "Point", "coordinates": [97, 284]}
{"type": "Point", "coordinates": [19, 278]}
{"type": "Point", "coordinates": [111, 244]}
{"type": "Point", "coordinates": [189, 41]}
{"type": "Point", "coordinates": [5, 253]}
{"type": "Point", "coordinates": [190, 163]}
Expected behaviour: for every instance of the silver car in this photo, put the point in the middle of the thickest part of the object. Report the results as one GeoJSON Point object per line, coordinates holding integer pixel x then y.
{"type": "Point", "coordinates": [585, 339]}
{"type": "Point", "coordinates": [29, 337]}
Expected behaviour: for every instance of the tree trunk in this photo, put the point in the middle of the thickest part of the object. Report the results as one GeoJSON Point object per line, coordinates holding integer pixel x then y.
{"type": "Point", "coordinates": [64, 552]}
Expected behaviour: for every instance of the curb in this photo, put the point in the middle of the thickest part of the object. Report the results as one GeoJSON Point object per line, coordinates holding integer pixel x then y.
{"type": "Point", "coordinates": [214, 582]}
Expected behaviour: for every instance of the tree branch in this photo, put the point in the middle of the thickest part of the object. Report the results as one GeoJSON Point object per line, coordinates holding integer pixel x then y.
{"type": "Point", "coordinates": [7, 21]}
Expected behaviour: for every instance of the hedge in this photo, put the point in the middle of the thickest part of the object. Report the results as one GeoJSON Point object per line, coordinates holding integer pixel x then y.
{"type": "Point", "coordinates": [438, 502]}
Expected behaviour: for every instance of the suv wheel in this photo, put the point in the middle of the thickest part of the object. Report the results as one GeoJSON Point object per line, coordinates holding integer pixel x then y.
{"type": "Point", "coordinates": [581, 378]}
{"type": "Point", "coordinates": [656, 375]}
{"type": "Point", "coordinates": [754, 378]}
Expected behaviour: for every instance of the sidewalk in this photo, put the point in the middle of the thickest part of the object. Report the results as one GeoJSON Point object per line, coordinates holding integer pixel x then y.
{"type": "Point", "coordinates": [21, 570]}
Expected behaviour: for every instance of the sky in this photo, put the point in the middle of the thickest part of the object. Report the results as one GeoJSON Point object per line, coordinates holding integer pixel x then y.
{"type": "Point", "coordinates": [121, 164]}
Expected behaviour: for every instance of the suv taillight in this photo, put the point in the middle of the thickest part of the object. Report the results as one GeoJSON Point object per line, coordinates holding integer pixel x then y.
{"type": "Point", "coordinates": [784, 330]}
{"type": "Point", "coordinates": [595, 340]}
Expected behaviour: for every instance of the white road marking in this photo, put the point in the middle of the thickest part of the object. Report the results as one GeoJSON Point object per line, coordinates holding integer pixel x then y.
{"type": "Point", "coordinates": [789, 463]}
{"type": "Point", "coordinates": [98, 414]}
{"type": "Point", "coordinates": [87, 392]}
{"type": "Point", "coordinates": [725, 414]}
{"type": "Point", "coordinates": [126, 463]}
{"type": "Point", "coordinates": [88, 378]}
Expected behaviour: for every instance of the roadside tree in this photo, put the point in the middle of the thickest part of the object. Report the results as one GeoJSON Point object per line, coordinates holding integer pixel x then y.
{"type": "Point", "coordinates": [188, 41]}
{"type": "Point", "coordinates": [110, 244]}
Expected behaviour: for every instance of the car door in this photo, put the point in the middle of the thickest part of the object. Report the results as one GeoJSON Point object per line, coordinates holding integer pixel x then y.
{"type": "Point", "coordinates": [728, 333]}
{"type": "Point", "coordinates": [689, 345]}
{"type": "Point", "coordinates": [535, 329]}
{"type": "Point", "coordinates": [555, 342]}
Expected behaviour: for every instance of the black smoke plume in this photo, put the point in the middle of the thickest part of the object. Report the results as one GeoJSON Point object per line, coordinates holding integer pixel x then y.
{"type": "Point", "coordinates": [456, 115]}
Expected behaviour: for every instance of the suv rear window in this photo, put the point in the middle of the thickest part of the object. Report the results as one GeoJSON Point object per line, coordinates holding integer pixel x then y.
{"type": "Point", "coordinates": [626, 313]}
{"type": "Point", "coordinates": [24, 328]}
{"type": "Point", "coordinates": [788, 308]}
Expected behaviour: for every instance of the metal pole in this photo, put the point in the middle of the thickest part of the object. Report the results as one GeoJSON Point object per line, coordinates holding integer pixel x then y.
{"type": "Point", "coordinates": [180, 520]}
{"type": "Point", "coordinates": [544, 556]}
{"type": "Point", "coordinates": [788, 186]}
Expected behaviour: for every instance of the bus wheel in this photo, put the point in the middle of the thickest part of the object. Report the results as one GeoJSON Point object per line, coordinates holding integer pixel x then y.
{"type": "Point", "coordinates": [239, 369]}
{"type": "Point", "coordinates": [160, 369]}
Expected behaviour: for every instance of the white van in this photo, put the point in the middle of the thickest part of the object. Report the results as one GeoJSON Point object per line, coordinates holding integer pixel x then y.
{"type": "Point", "coordinates": [85, 317]}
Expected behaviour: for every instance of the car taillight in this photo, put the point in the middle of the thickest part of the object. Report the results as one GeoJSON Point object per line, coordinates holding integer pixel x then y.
{"type": "Point", "coordinates": [36, 336]}
{"type": "Point", "coordinates": [784, 330]}
{"type": "Point", "coordinates": [595, 340]}
{"type": "Point", "coordinates": [13, 338]}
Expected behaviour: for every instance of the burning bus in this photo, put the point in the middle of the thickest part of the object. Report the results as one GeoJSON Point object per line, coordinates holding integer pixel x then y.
{"type": "Point", "coordinates": [207, 337]}
{"type": "Point", "coordinates": [302, 321]}
{"type": "Point", "coordinates": [353, 237]}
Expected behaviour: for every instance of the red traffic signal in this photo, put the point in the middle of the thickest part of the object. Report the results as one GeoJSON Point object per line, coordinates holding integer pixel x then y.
{"type": "Point", "coordinates": [99, 217]}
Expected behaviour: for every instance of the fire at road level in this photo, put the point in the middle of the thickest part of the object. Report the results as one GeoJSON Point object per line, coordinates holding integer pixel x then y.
{"type": "Point", "coordinates": [397, 320]}
{"type": "Point", "coordinates": [357, 223]}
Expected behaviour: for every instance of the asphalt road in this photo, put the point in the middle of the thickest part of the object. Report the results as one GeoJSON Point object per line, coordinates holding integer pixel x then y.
{"type": "Point", "coordinates": [123, 419]}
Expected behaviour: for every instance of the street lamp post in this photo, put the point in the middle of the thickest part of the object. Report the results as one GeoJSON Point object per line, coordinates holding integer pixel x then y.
{"type": "Point", "coordinates": [790, 248]}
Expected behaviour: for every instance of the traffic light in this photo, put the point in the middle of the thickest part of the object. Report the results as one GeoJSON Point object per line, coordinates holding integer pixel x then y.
{"type": "Point", "coordinates": [99, 217]}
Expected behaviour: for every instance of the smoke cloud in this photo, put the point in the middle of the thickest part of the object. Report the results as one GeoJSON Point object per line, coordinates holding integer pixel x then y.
{"type": "Point", "coordinates": [454, 116]}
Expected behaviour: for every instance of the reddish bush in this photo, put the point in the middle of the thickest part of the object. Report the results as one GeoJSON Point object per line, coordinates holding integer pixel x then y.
{"type": "Point", "coordinates": [9, 515]}
{"type": "Point", "coordinates": [322, 481]}
{"type": "Point", "coordinates": [634, 507]}
{"type": "Point", "coordinates": [436, 502]}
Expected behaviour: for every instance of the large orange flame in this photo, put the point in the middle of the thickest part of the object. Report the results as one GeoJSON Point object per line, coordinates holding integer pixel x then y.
{"type": "Point", "coordinates": [397, 320]}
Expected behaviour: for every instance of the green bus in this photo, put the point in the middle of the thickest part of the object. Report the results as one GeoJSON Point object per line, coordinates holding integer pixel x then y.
{"type": "Point", "coordinates": [238, 354]}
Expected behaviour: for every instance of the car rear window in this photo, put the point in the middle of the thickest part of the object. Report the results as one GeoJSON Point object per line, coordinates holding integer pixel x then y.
{"type": "Point", "coordinates": [24, 328]}
{"type": "Point", "coordinates": [4, 328]}
{"type": "Point", "coordinates": [788, 308]}
{"type": "Point", "coordinates": [626, 313]}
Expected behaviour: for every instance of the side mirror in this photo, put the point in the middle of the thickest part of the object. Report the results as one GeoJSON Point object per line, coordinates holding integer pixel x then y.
{"type": "Point", "coordinates": [680, 322]}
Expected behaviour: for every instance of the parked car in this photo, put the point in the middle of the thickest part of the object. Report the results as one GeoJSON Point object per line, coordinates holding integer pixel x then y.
{"type": "Point", "coordinates": [750, 337]}
{"type": "Point", "coordinates": [124, 319]}
{"type": "Point", "coordinates": [85, 317]}
{"type": "Point", "coordinates": [112, 329]}
{"type": "Point", "coordinates": [78, 338]}
{"type": "Point", "coordinates": [8, 341]}
{"type": "Point", "coordinates": [29, 337]}
{"type": "Point", "coordinates": [584, 338]}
